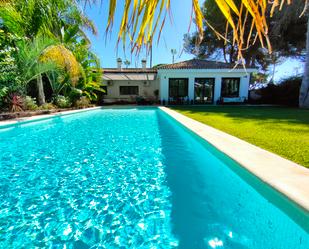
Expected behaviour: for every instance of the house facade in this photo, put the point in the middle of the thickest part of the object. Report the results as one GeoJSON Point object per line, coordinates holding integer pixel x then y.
{"type": "Point", "coordinates": [194, 81]}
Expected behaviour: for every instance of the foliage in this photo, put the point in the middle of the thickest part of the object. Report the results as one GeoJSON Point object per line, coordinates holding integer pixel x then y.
{"type": "Point", "coordinates": [3, 94]}
{"type": "Point", "coordinates": [50, 31]}
{"type": "Point", "coordinates": [83, 102]}
{"type": "Point", "coordinates": [44, 17]}
{"type": "Point", "coordinates": [30, 103]}
{"type": "Point", "coordinates": [64, 59]}
{"type": "Point", "coordinates": [90, 89]}
{"type": "Point", "coordinates": [15, 102]}
{"type": "Point", "coordinates": [283, 41]}
{"type": "Point", "coordinates": [9, 75]}
{"type": "Point", "coordinates": [47, 106]}
{"type": "Point", "coordinates": [247, 19]}
{"type": "Point", "coordinates": [284, 93]}
{"type": "Point", "coordinates": [127, 63]}
{"type": "Point", "coordinates": [288, 128]}
{"type": "Point", "coordinates": [259, 77]}
{"type": "Point", "coordinates": [62, 101]}
{"type": "Point", "coordinates": [75, 94]}
{"type": "Point", "coordinates": [287, 29]}
{"type": "Point", "coordinates": [148, 15]}
{"type": "Point", "coordinates": [91, 81]}
{"type": "Point", "coordinates": [28, 59]}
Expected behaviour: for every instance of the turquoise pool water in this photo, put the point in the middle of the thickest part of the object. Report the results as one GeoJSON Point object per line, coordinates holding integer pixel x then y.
{"type": "Point", "coordinates": [133, 178]}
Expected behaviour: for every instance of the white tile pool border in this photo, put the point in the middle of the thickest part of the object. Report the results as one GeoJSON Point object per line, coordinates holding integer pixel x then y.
{"type": "Point", "coordinates": [16, 121]}
{"type": "Point", "coordinates": [287, 177]}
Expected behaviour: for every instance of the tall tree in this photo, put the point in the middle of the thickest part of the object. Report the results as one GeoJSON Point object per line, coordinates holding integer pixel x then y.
{"type": "Point", "coordinates": [29, 61]}
{"type": "Point", "coordinates": [212, 47]}
{"type": "Point", "coordinates": [286, 32]}
{"type": "Point", "coordinates": [304, 89]}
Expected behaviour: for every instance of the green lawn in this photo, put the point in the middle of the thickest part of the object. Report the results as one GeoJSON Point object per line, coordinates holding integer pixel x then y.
{"type": "Point", "coordinates": [284, 131]}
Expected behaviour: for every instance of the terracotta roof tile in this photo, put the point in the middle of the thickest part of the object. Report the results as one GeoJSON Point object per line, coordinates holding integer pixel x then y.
{"type": "Point", "coordinates": [129, 70]}
{"type": "Point", "coordinates": [199, 64]}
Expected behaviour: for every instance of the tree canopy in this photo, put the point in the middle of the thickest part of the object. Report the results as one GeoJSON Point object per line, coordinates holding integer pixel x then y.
{"type": "Point", "coordinates": [286, 29]}
{"type": "Point", "coordinates": [46, 40]}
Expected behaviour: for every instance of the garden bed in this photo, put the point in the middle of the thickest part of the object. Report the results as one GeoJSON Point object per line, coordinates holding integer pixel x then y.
{"type": "Point", "coordinates": [13, 115]}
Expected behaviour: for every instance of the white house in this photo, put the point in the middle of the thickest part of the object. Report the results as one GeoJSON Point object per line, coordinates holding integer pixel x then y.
{"type": "Point", "coordinates": [193, 81]}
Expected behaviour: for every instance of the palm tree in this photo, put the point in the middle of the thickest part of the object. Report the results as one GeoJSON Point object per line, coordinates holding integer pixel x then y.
{"type": "Point", "coordinates": [127, 63]}
{"type": "Point", "coordinates": [30, 65]}
{"type": "Point", "coordinates": [173, 52]}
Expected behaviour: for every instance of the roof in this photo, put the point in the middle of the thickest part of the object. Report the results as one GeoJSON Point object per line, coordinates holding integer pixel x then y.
{"type": "Point", "coordinates": [199, 64]}
{"type": "Point", "coordinates": [145, 74]}
{"type": "Point", "coordinates": [142, 74]}
{"type": "Point", "coordinates": [129, 70]}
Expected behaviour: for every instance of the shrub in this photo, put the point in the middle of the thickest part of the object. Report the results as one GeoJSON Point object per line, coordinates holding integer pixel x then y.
{"type": "Point", "coordinates": [3, 94]}
{"type": "Point", "coordinates": [75, 94]}
{"type": "Point", "coordinates": [30, 103]}
{"type": "Point", "coordinates": [62, 102]}
{"type": "Point", "coordinates": [47, 106]}
{"type": "Point", "coordinates": [284, 93]}
{"type": "Point", "coordinates": [83, 102]}
{"type": "Point", "coordinates": [15, 102]}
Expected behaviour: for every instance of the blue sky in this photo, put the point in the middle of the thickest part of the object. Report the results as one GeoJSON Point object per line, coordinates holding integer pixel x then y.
{"type": "Point", "coordinates": [171, 38]}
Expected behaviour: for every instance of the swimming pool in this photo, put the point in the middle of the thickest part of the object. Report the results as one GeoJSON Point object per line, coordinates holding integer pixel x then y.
{"type": "Point", "coordinates": [133, 178]}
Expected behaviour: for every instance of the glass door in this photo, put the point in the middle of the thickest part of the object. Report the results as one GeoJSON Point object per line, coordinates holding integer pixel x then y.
{"type": "Point", "coordinates": [178, 90]}
{"type": "Point", "coordinates": [204, 90]}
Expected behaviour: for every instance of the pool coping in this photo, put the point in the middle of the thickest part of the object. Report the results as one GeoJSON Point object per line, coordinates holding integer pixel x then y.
{"type": "Point", "coordinates": [22, 120]}
{"type": "Point", "coordinates": [16, 121]}
{"type": "Point", "coordinates": [287, 177]}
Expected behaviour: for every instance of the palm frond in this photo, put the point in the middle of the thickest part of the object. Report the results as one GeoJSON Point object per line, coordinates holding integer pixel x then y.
{"type": "Point", "coordinates": [28, 58]}
{"type": "Point", "coordinates": [140, 15]}
{"type": "Point", "coordinates": [64, 58]}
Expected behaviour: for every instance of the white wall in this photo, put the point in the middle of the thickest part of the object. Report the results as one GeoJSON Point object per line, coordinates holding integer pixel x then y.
{"type": "Point", "coordinates": [191, 74]}
{"type": "Point", "coordinates": [147, 91]}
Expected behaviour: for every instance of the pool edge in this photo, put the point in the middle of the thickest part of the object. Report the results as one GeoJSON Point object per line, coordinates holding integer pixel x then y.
{"type": "Point", "coordinates": [287, 177]}
{"type": "Point", "coordinates": [23, 120]}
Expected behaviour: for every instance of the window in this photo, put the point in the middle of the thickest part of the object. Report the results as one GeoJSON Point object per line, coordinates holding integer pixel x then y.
{"type": "Point", "coordinates": [230, 87]}
{"type": "Point", "coordinates": [178, 88]}
{"type": "Point", "coordinates": [204, 90]}
{"type": "Point", "coordinates": [128, 90]}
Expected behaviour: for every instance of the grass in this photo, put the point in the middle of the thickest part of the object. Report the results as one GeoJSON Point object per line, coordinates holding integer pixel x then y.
{"type": "Point", "coordinates": [284, 131]}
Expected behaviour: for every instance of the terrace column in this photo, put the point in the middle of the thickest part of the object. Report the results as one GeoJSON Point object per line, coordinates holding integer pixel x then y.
{"type": "Point", "coordinates": [191, 88]}
{"type": "Point", "coordinates": [217, 92]}
{"type": "Point", "coordinates": [164, 88]}
{"type": "Point", "coordinates": [244, 86]}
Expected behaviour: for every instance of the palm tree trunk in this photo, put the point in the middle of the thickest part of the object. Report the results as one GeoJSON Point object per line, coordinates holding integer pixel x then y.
{"type": "Point", "coordinates": [304, 88]}
{"type": "Point", "coordinates": [41, 95]}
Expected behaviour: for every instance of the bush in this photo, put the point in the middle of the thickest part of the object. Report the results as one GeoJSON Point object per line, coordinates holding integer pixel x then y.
{"type": "Point", "coordinates": [3, 94]}
{"type": "Point", "coordinates": [30, 103]}
{"type": "Point", "coordinates": [284, 93]}
{"type": "Point", "coordinates": [47, 106]}
{"type": "Point", "coordinates": [75, 94]}
{"type": "Point", "coordinates": [15, 102]}
{"type": "Point", "coordinates": [83, 102]}
{"type": "Point", "coordinates": [62, 102]}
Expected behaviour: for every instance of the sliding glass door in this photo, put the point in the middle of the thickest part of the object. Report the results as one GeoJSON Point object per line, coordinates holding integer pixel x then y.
{"type": "Point", "coordinates": [204, 90]}
{"type": "Point", "coordinates": [178, 90]}
{"type": "Point", "coordinates": [230, 87]}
